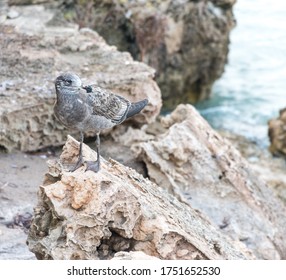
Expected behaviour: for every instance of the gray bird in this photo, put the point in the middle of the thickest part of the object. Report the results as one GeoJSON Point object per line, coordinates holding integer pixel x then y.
{"type": "Point", "coordinates": [90, 108]}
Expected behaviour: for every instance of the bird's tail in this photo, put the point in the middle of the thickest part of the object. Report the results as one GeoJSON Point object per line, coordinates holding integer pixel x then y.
{"type": "Point", "coordinates": [136, 107]}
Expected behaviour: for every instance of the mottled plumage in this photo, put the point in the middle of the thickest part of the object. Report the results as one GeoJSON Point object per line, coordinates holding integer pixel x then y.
{"type": "Point", "coordinates": [90, 108]}
{"type": "Point", "coordinates": [107, 104]}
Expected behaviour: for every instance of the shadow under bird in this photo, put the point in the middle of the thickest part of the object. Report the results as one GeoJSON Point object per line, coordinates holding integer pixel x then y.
{"type": "Point", "coordinates": [90, 108]}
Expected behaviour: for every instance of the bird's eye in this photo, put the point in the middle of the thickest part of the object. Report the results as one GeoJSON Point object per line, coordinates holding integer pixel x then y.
{"type": "Point", "coordinates": [68, 82]}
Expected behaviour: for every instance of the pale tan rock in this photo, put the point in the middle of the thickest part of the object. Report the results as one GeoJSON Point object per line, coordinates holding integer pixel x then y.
{"type": "Point", "coordinates": [204, 170]}
{"type": "Point", "coordinates": [268, 167]}
{"type": "Point", "coordinates": [87, 215]}
{"type": "Point", "coordinates": [132, 135]}
{"type": "Point", "coordinates": [34, 51]}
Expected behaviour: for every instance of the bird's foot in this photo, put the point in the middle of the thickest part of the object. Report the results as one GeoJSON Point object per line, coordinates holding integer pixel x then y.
{"type": "Point", "coordinates": [92, 166]}
{"type": "Point", "coordinates": [78, 164]}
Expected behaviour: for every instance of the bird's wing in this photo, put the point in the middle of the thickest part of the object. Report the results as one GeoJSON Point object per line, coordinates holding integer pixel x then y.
{"type": "Point", "coordinates": [105, 103]}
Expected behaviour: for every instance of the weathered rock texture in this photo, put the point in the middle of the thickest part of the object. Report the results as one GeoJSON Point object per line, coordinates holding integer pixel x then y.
{"type": "Point", "coordinates": [35, 47]}
{"type": "Point", "coordinates": [185, 41]}
{"type": "Point", "coordinates": [269, 168]}
{"type": "Point", "coordinates": [277, 134]}
{"type": "Point", "coordinates": [87, 215]}
{"type": "Point", "coordinates": [201, 168]}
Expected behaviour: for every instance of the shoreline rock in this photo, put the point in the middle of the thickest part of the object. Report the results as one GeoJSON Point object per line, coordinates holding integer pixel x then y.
{"type": "Point", "coordinates": [202, 169]}
{"type": "Point", "coordinates": [185, 41]}
{"type": "Point", "coordinates": [34, 52]}
{"type": "Point", "coordinates": [87, 215]}
{"type": "Point", "coordinates": [269, 168]}
{"type": "Point", "coordinates": [219, 207]}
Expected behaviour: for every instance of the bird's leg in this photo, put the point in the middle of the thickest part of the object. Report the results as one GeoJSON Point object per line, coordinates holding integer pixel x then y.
{"type": "Point", "coordinates": [95, 165]}
{"type": "Point", "coordinates": [80, 158]}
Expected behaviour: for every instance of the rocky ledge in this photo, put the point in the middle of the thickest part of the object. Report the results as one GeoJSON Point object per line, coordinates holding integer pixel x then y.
{"type": "Point", "coordinates": [87, 215]}
{"type": "Point", "coordinates": [35, 49]}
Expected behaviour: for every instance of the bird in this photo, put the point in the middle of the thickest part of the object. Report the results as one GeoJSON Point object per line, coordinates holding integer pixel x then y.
{"type": "Point", "coordinates": [90, 108]}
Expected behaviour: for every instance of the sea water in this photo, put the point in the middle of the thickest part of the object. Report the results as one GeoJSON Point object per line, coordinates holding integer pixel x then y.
{"type": "Point", "coordinates": [252, 89]}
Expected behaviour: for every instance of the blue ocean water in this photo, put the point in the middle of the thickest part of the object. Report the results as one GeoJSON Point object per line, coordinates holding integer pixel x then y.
{"type": "Point", "coordinates": [253, 86]}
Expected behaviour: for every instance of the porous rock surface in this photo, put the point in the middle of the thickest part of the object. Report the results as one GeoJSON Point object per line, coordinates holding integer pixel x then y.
{"type": "Point", "coordinates": [87, 215]}
{"type": "Point", "coordinates": [186, 41]}
{"type": "Point", "coordinates": [204, 170]}
{"type": "Point", "coordinates": [36, 46]}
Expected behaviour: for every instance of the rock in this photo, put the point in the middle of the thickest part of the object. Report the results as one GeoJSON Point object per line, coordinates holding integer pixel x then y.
{"type": "Point", "coordinates": [277, 134]}
{"type": "Point", "coordinates": [269, 168]}
{"type": "Point", "coordinates": [132, 135]}
{"type": "Point", "coordinates": [34, 51]}
{"type": "Point", "coordinates": [185, 41]}
{"type": "Point", "coordinates": [204, 170]}
{"type": "Point", "coordinates": [87, 215]}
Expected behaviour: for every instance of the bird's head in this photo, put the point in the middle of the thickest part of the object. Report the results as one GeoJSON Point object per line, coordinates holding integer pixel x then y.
{"type": "Point", "coordinates": [68, 81]}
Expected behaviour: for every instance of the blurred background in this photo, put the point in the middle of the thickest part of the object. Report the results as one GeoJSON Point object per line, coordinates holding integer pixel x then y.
{"type": "Point", "coordinates": [252, 88]}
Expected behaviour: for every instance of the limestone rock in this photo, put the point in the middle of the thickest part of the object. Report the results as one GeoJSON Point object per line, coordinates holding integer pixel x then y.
{"type": "Point", "coordinates": [185, 41]}
{"type": "Point", "coordinates": [268, 167]}
{"type": "Point", "coordinates": [34, 50]}
{"type": "Point", "coordinates": [277, 134]}
{"type": "Point", "coordinates": [204, 170]}
{"type": "Point", "coordinates": [87, 215]}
